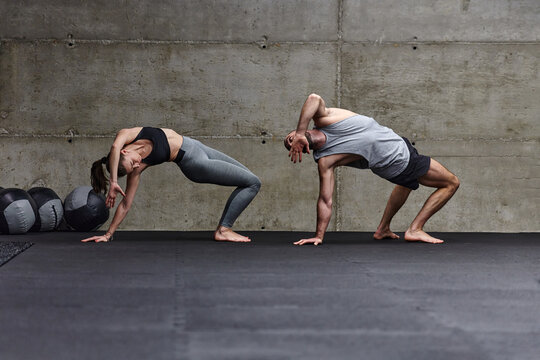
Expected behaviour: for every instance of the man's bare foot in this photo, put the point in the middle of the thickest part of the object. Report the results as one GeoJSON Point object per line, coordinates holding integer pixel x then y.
{"type": "Point", "coordinates": [226, 234]}
{"type": "Point", "coordinates": [384, 234]}
{"type": "Point", "coordinates": [420, 235]}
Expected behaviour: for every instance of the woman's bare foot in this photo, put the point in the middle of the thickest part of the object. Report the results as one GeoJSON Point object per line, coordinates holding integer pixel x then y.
{"type": "Point", "coordinates": [384, 234]}
{"type": "Point", "coordinates": [225, 234]}
{"type": "Point", "coordinates": [420, 235]}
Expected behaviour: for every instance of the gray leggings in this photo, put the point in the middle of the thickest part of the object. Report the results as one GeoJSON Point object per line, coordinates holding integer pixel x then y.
{"type": "Point", "coordinates": [202, 164]}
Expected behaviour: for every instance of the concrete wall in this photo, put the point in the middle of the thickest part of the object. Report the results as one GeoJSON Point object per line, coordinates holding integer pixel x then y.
{"type": "Point", "coordinates": [460, 78]}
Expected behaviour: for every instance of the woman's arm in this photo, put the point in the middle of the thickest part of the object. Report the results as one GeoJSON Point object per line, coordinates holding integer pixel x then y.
{"type": "Point", "coordinates": [123, 208]}
{"type": "Point", "coordinates": [123, 137]}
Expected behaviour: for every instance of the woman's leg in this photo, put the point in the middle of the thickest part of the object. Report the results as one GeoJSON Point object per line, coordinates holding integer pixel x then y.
{"type": "Point", "coordinates": [207, 165]}
{"type": "Point", "coordinates": [218, 155]}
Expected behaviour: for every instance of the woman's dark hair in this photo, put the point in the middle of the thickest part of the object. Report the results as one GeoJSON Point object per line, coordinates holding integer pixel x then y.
{"type": "Point", "coordinates": [97, 175]}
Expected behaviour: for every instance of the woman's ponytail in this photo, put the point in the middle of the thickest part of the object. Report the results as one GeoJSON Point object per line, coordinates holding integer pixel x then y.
{"type": "Point", "coordinates": [97, 176]}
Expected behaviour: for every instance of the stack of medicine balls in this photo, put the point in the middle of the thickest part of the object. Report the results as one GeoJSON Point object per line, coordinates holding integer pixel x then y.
{"type": "Point", "coordinates": [40, 209]}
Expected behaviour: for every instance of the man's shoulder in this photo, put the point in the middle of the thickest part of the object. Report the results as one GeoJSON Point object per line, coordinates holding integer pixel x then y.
{"type": "Point", "coordinates": [333, 115]}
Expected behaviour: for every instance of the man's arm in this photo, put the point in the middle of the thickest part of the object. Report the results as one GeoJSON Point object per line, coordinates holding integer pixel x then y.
{"type": "Point", "coordinates": [324, 203]}
{"type": "Point", "coordinates": [314, 107]}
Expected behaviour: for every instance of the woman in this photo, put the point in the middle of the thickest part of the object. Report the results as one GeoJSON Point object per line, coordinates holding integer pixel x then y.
{"type": "Point", "coordinates": [136, 149]}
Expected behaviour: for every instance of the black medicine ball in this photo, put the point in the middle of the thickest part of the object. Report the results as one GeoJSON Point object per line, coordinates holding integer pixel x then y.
{"type": "Point", "coordinates": [18, 211]}
{"type": "Point", "coordinates": [50, 209]}
{"type": "Point", "coordinates": [84, 210]}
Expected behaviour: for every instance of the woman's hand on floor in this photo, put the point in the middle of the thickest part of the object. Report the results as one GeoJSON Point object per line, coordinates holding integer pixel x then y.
{"type": "Point", "coordinates": [99, 238]}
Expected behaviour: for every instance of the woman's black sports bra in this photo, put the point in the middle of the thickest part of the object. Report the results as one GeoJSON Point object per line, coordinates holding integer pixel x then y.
{"type": "Point", "coordinates": [161, 151]}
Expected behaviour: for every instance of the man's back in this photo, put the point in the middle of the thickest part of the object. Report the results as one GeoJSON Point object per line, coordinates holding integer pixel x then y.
{"type": "Point", "coordinates": [385, 152]}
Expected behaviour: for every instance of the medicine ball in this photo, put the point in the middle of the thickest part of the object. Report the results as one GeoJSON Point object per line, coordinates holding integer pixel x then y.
{"type": "Point", "coordinates": [18, 211]}
{"type": "Point", "coordinates": [50, 209]}
{"type": "Point", "coordinates": [84, 210]}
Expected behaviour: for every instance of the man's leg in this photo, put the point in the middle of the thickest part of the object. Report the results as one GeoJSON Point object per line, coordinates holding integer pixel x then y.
{"type": "Point", "coordinates": [395, 202]}
{"type": "Point", "coordinates": [447, 183]}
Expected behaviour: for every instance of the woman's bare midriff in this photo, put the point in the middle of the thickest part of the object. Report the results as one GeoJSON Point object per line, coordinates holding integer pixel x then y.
{"type": "Point", "coordinates": [175, 142]}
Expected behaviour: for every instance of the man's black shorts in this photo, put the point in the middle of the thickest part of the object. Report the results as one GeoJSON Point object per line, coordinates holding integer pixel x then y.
{"type": "Point", "coordinates": [418, 166]}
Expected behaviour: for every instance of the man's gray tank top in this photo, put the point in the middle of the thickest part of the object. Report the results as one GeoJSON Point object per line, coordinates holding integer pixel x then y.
{"type": "Point", "coordinates": [385, 152]}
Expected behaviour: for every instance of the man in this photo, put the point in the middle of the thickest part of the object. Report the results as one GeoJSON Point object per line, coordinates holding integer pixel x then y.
{"type": "Point", "coordinates": [344, 138]}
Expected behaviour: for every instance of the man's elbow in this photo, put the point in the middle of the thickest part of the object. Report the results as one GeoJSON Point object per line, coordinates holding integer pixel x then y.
{"type": "Point", "coordinates": [326, 202]}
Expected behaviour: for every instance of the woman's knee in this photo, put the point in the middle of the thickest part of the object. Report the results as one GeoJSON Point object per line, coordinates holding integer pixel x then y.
{"type": "Point", "coordinates": [255, 183]}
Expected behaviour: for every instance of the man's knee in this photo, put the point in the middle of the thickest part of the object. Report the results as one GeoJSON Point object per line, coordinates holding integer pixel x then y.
{"type": "Point", "coordinates": [454, 183]}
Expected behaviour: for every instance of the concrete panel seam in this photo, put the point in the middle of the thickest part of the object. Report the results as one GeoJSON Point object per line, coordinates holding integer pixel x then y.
{"type": "Point", "coordinates": [5, 134]}
{"type": "Point", "coordinates": [339, 212]}
{"type": "Point", "coordinates": [233, 136]}
{"type": "Point", "coordinates": [441, 42]}
{"type": "Point", "coordinates": [338, 91]}
{"type": "Point", "coordinates": [164, 42]}
{"type": "Point", "coordinates": [257, 43]}
{"type": "Point", "coordinates": [339, 52]}
{"type": "Point", "coordinates": [498, 156]}
{"type": "Point", "coordinates": [37, 136]}
{"type": "Point", "coordinates": [476, 139]}
{"type": "Point", "coordinates": [90, 136]}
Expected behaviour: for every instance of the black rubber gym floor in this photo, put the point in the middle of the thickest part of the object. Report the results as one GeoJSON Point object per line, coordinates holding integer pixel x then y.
{"type": "Point", "coordinates": [179, 295]}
